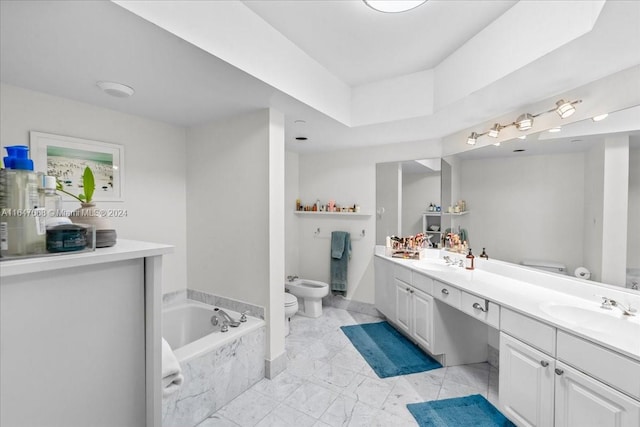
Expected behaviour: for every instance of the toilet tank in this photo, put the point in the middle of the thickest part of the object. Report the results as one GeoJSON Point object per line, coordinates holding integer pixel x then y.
{"type": "Point", "coordinates": [552, 266]}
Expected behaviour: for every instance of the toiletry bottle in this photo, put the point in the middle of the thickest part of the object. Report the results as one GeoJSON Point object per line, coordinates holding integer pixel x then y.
{"type": "Point", "coordinates": [469, 262]}
{"type": "Point", "coordinates": [52, 203]}
{"type": "Point", "coordinates": [484, 254]}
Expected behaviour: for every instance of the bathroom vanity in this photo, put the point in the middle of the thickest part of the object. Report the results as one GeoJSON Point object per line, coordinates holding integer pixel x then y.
{"type": "Point", "coordinates": [80, 338]}
{"type": "Point", "coordinates": [564, 360]}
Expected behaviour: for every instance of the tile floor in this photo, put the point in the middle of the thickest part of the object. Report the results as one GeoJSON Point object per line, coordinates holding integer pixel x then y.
{"type": "Point", "coordinates": [328, 383]}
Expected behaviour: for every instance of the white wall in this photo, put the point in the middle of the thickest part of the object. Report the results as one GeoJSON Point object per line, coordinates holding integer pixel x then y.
{"type": "Point", "coordinates": [633, 231]}
{"type": "Point", "coordinates": [292, 192]}
{"type": "Point", "coordinates": [230, 232]}
{"type": "Point", "coordinates": [510, 199]}
{"type": "Point", "coordinates": [347, 176]}
{"type": "Point", "coordinates": [154, 168]}
{"type": "Point", "coordinates": [418, 190]}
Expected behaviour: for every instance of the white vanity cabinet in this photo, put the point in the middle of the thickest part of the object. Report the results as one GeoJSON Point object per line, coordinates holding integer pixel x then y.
{"type": "Point", "coordinates": [541, 383]}
{"type": "Point", "coordinates": [385, 299]}
{"type": "Point", "coordinates": [525, 383]}
{"type": "Point", "coordinates": [583, 401]}
{"type": "Point", "coordinates": [413, 307]}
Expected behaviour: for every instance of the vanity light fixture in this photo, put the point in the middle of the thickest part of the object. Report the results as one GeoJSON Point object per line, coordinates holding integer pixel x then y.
{"type": "Point", "coordinates": [565, 108]}
{"type": "Point", "coordinates": [600, 117]}
{"type": "Point", "coordinates": [393, 6]}
{"type": "Point", "coordinates": [494, 131]}
{"type": "Point", "coordinates": [524, 121]}
{"type": "Point", "coordinates": [115, 89]}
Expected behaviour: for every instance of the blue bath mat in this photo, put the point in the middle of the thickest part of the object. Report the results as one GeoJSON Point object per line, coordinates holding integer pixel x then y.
{"type": "Point", "coordinates": [387, 352]}
{"type": "Point", "coordinates": [468, 411]}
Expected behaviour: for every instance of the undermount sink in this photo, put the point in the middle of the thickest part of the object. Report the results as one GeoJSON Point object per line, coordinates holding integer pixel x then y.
{"type": "Point", "coordinates": [594, 318]}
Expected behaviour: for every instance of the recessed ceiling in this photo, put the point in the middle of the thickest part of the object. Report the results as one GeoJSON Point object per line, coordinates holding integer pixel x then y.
{"type": "Point", "coordinates": [360, 45]}
{"type": "Point", "coordinates": [77, 44]}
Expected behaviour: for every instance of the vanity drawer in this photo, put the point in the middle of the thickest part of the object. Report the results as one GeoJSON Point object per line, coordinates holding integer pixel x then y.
{"type": "Point", "coordinates": [424, 283]}
{"type": "Point", "coordinates": [447, 293]}
{"type": "Point", "coordinates": [539, 335]}
{"type": "Point", "coordinates": [402, 273]}
{"type": "Point", "coordinates": [482, 309]}
{"type": "Point", "coordinates": [612, 368]}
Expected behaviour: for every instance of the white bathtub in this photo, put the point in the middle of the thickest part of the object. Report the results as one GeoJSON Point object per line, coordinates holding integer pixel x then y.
{"type": "Point", "coordinates": [217, 366]}
{"type": "Point", "coordinates": [187, 328]}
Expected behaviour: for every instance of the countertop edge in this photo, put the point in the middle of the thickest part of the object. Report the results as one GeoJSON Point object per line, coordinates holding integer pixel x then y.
{"type": "Point", "coordinates": [123, 250]}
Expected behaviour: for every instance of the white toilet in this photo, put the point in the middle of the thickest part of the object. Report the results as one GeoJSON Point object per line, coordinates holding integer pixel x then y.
{"type": "Point", "coordinates": [290, 309]}
{"type": "Point", "coordinates": [310, 293]}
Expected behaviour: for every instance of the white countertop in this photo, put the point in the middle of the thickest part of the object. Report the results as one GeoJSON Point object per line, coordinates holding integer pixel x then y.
{"type": "Point", "coordinates": [122, 250]}
{"type": "Point", "coordinates": [526, 291]}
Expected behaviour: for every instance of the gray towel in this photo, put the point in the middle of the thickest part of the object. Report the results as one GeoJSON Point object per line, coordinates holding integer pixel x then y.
{"type": "Point", "coordinates": [340, 254]}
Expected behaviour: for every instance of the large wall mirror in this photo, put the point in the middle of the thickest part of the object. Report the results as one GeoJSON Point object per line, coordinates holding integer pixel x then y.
{"type": "Point", "coordinates": [556, 196]}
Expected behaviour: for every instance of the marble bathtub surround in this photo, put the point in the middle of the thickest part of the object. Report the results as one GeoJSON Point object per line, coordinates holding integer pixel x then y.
{"type": "Point", "coordinates": [216, 300]}
{"type": "Point", "coordinates": [215, 379]}
{"type": "Point", "coordinates": [328, 383]}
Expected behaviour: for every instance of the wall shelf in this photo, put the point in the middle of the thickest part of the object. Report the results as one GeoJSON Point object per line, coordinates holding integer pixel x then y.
{"type": "Point", "coordinates": [342, 214]}
{"type": "Point", "coordinates": [456, 214]}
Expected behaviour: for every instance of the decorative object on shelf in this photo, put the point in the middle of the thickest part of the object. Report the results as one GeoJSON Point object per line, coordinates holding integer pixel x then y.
{"type": "Point", "coordinates": [525, 121]}
{"type": "Point", "coordinates": [66, 157]}
{"type": "Point", "coordinates": [89, 214]}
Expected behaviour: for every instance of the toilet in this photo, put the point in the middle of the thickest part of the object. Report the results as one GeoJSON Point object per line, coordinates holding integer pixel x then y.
{"type": "Point", "coordinates": [290, 309]}
{"type": "Point", "coordinates": [551, 266]}
{"type": "Point", "coordinates": [309, 294]}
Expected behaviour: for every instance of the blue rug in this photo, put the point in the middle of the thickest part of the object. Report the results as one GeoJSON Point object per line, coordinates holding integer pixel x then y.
{"type": "Point", "coordinates": [468, 411]}
{"type": "Point", "coordinates": [387, 352]}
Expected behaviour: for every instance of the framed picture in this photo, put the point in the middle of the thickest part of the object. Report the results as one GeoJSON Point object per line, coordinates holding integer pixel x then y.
{"type": "Point", "coordinates": [66, 158]}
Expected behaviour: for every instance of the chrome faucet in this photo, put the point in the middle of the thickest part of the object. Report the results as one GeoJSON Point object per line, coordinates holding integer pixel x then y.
{"type": "Point", "coordinates": [228, 319]}
{"type": "Point", "coordinates": [608, 303]}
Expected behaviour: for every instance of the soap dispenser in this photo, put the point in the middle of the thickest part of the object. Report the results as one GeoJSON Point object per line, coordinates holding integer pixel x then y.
{"type": "Point", "coordinates": [484, 254]}
{"type": "Point", "coordinates": [469, 262]}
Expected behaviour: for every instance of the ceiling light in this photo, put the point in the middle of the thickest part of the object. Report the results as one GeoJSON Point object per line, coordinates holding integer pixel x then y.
{"type": "Point", "coordinates": [116, 89]}
{"type": "Point", "coordinates": [494, 131]}
{"type": "Point", "coordinates": [472, 138]}
{"type": "Point", "coordinates": [565, 108]}
{"type": "Point", "coordinates": [393, 6]}
{"type": "Point", "coordinates": [600, 117]}
{"type": "Point", "coordinates": [524, 121]}
{"type": "Point", "coordinates": [555, 129]}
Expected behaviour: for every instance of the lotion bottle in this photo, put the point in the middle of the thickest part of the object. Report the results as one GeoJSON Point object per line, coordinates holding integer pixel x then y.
{"type": "Point", "coordinates": [469, 262]}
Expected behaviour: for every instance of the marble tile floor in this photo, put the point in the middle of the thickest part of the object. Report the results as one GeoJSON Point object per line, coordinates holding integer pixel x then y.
{"type": "Point", "coordinates": [327, 383]}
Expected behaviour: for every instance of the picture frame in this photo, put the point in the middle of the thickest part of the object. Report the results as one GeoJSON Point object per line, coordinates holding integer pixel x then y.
{"type": "Point", "coordinates": [66, 157]}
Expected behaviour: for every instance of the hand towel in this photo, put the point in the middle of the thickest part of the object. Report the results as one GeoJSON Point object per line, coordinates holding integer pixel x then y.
{"type": "Point", "coordinates": [172, 377]}
{"type": "Point", "coordinates": [340, 254]}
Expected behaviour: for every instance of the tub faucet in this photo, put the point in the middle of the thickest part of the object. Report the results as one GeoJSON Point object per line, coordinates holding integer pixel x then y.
{"type": "Point", "coordinates": [230, 321]}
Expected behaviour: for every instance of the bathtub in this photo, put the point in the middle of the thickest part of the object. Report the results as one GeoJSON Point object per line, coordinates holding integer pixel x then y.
{"type": "Point", "coordinates": [217, 366]}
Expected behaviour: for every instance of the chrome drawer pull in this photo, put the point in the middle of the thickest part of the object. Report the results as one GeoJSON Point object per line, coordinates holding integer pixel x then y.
{"type": "Point", "coordinates": [544, 363]}
{"type": "Point", "coordinates": [559, 371]}
{"type": "Point", "coordinates": [477, 306]}
{"type": "Point", "coordinates": [445, 291]}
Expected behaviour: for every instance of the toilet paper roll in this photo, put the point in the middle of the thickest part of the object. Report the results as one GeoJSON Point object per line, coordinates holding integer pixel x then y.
{"type": "Point", "coordinates": [582, 273]}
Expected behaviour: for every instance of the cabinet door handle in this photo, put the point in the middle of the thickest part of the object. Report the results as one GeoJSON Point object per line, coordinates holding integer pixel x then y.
{"type": "Point", "coordinates": [445, 291]}
{"type": "Point", "coordinates": [411, 291]}
{"type": "Point", "coordinates": [544, 363]}
{"type": "Point", "coordinates": [559, 371]}
{"type": "Point", "coordinates": [477, 306]}
{"type": "Point", "coordinates": [408, 290]}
